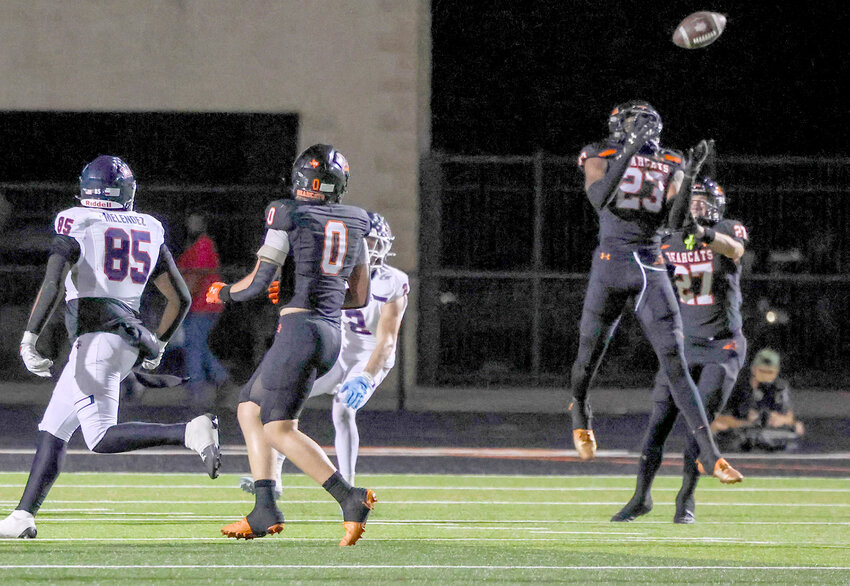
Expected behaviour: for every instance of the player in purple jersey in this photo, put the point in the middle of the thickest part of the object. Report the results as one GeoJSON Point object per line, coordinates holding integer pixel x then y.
{"type": "Point", "coordinates": [325, 241]}
{"type": "Point", "coordinates": [707, 274]}
{"type": "Point", "coordinates": [631, 180]}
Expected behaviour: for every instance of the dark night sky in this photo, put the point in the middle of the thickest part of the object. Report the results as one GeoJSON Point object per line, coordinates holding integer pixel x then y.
{"type": "Point", "coordinates": [515, 76]}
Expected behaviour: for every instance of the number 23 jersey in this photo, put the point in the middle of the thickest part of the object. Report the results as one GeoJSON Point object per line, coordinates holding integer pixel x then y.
{"type": "Point", "coordinates": [707, 283]}
{"type": "Point", "coordinates": [118, 250]}
{"type": "Point", "coordinates": [632, 218]}
{"type": "Point", "coordinates": [360, 326]}
{"type": "Point", "coordinates": [325, 243]}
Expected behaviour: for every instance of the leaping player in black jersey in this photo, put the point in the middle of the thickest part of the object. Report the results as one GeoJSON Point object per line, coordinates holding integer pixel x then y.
{"type": "Point", "coordinates": [632, 181]}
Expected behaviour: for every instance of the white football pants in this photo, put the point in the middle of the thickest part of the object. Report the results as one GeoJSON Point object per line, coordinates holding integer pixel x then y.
{"type": "Point", "coordinates": [87, 392]}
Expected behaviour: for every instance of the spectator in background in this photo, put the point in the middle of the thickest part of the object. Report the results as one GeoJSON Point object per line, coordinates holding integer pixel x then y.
{"type": "Point", "coordinates": [199, 265]}
{"type": "Point", "coordinates": [760, 415]}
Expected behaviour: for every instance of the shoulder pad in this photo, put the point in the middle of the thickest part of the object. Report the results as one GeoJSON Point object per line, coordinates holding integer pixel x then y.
{"type": "Point", "coordinates": [672, 156]}
{"type": "Point", "coordinates": [733, 228]}
{"type": "Point", "coordinates": [278, 214]}
{"type": "Point", "coordinates": [602, 150]}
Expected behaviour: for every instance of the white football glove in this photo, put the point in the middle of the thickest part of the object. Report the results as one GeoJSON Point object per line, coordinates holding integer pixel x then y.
{"type": "Point", "coordinates": [35, 362]}
{"type": "Point", "coordinates": [152, 363]}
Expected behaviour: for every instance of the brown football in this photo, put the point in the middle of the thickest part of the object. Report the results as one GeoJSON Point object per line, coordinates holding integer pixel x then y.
{"type": "Point", "coordinates": [699, 30]}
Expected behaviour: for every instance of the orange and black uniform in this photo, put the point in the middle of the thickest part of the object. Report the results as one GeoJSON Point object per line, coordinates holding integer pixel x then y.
{"type": "Point", "coordinates": [628, 264]}
{"type": "Point", "coordinates": [325, 242]}
{"type": "Point", "coordinates": [708, 285]}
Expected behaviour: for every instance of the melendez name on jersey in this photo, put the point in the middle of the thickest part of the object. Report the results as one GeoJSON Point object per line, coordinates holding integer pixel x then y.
{"type": "Point", "coordinates": [708, 283]}
{"type": "Point", "coordinates": [118, 251]}
{"type": "Point", "coordinates": [360, 326]}
{"type": "Point", "coordinates": [639, 208]}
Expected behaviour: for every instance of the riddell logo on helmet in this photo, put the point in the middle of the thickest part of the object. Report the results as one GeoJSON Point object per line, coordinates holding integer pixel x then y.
{"type": "Point", "coordinates": [100, 203]}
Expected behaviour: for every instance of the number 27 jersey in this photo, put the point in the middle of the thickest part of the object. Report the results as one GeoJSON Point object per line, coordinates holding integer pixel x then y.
{"type": "Point", "coordinates": [118, 250]}
{"type": "Point", "coordinates": [325, 243]}
{"type": "Point", "coordinates": [708, 284]}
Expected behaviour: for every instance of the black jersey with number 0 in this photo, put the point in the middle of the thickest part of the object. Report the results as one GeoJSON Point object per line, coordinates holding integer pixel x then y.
{"type": "Point", "coordinates": [325, 243]}
{"type": "Point", "coordinates": [632, 218]}
{"type": "Point", "coordinates": [708, 284]}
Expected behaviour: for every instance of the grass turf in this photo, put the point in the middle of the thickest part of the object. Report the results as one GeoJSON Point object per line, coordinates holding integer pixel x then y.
{"type": "Point", "coordinates": [434, 528]}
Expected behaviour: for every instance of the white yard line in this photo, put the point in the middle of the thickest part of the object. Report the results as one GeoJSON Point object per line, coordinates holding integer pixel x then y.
{"type": "Point", "coordinates": [429, 502]}
{"type": "Point", "coordinates": [455, 452]}
{"type": "Point", "coordinates": [401, 567]}
{"type": "Point", "coordinates": [232, 487]}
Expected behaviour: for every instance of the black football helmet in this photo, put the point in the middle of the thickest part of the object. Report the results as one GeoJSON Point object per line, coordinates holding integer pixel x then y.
{"type": "Point", "coordinates": [107, 183]}
{"type": "Point", "coordinates": [715, 201]}
{"type": "Point", "coordinates": [624, 117]}
{"type": "Point", "coordinates": [320, 175]}
{"type": "Point", "coordinates": [380, 239]}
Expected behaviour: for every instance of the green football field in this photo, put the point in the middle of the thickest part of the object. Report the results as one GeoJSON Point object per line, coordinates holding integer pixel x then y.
{"type": "Point", "coordinates": [129, 528]}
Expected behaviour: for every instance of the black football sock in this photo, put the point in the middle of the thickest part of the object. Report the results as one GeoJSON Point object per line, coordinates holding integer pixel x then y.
{"type": "Point", "coordinates": [337, 486]}
{"type": "Point", "coordinates": [690, 478]}
{"type": "Point", "coordinates": [126, 437]}
{"type": "Point", "coordinates": [265, 513]}
{"type": "Point", "coordinates": [46, 466]}
{"type": "Point", "coordinates": [650, 462]}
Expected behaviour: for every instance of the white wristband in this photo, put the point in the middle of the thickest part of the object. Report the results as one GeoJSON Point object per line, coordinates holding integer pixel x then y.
{"type": "Point", "coordinates": [368, 378]}
{"type": "Point", "coordinates": [29, 338]}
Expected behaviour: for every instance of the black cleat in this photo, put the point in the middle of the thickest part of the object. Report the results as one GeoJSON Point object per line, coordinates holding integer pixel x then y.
{"type": "Point", "coordinates": [684, 518]}
{"type": "Point", "coordinates": [685, 506]}
{"type": "Point", "coordinates": [632, 511]}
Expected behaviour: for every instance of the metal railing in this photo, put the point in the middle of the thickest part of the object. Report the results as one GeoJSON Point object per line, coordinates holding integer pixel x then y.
{"type": "Point", "coordinates": [506, 243]}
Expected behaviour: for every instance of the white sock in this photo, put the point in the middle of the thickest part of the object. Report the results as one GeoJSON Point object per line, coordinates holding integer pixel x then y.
{"type": "Point", "coordinates": [346, 439]}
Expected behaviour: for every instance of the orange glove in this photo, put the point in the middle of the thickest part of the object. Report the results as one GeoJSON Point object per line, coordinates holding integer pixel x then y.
{"type": "Point", "coordinates": [214, 290]}
{"type": "Point", "coordinates": [274, 292]}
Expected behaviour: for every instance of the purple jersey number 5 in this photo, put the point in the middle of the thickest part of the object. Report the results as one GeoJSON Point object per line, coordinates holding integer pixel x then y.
{"type": "Point", "coordinates": [357, 322]}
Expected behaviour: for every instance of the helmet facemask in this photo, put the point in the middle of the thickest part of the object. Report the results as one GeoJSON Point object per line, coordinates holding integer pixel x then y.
{"type": "Point", "coordinates": [628, 116]}
{"type": "Point", "coordinates": [708, 202]}
{"type": "Point", "coordinates": [379, 240]}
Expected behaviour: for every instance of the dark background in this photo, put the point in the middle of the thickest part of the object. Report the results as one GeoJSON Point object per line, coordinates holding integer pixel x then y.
{"type": "Point", "coordinates": [512, 77]}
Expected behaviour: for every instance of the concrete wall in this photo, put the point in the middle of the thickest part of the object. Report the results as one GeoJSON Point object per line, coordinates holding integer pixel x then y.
{"type": "Point", "coordinates": [356, 71]}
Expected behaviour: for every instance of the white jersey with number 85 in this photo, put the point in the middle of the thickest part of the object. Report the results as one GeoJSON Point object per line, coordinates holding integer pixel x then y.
{"type": "Point", "coordinates": [118, 250]}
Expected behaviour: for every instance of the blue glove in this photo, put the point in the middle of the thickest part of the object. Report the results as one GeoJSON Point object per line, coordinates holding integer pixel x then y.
{"type": "Point", "coordinates": [354, 391]}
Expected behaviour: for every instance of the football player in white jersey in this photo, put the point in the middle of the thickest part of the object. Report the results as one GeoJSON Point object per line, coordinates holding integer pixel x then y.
{"type": "Point", "coordinates": [369, 340]}
{"type": "Point", "coordinates": [106, 253]}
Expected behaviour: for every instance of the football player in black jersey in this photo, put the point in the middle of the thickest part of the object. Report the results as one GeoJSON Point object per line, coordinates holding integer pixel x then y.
{"type": "Point", "coordinates": [632, 182]}
{"type": "Point", "coordinates": [325, 241]}
{"type": "Point", "coordinates": [706, 258]}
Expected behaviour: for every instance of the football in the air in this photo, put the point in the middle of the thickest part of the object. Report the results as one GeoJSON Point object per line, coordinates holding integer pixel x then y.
{"type": "Point", "coordinates": [699, 30]}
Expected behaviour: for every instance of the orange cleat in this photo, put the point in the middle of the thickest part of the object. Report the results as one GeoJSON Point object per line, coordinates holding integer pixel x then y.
{"type": "Point", "coordinates": [723, 471]}
{"type": "Point", "coordinates": [242, 530]}
{"type": "Point", "coordinates": [585, 443]}
{"type": "Point", "coordinates": [353, 529]}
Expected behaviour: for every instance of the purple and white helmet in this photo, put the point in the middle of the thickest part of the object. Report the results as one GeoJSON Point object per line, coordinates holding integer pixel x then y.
{"type": "Point", "coordinates": [379, 239]}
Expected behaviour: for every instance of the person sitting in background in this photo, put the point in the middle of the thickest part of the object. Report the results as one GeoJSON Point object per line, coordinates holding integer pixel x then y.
{"type": "Point", "coordinates": [761, 415]}
{"type": "Point", "coordinates": [199, 265]}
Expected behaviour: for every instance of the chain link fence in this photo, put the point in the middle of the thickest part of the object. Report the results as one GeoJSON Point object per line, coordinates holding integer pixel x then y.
{"type": "Point", "coordinates": [506, 243]}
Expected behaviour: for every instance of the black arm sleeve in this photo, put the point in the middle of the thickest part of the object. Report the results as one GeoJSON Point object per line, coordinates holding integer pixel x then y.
{"type": "Point", "coordinates": [681, 205]}
{"type": "Point", "coordinates": [262, 280]}
{"type": "Point", "coordinates": [600, 192]}
{"type": "Point", "coordinates": [49, 295]}
{"type": "Point", "coordinates": [166, 264]}
{"type": "Point", "coordinates": [63, 250]}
